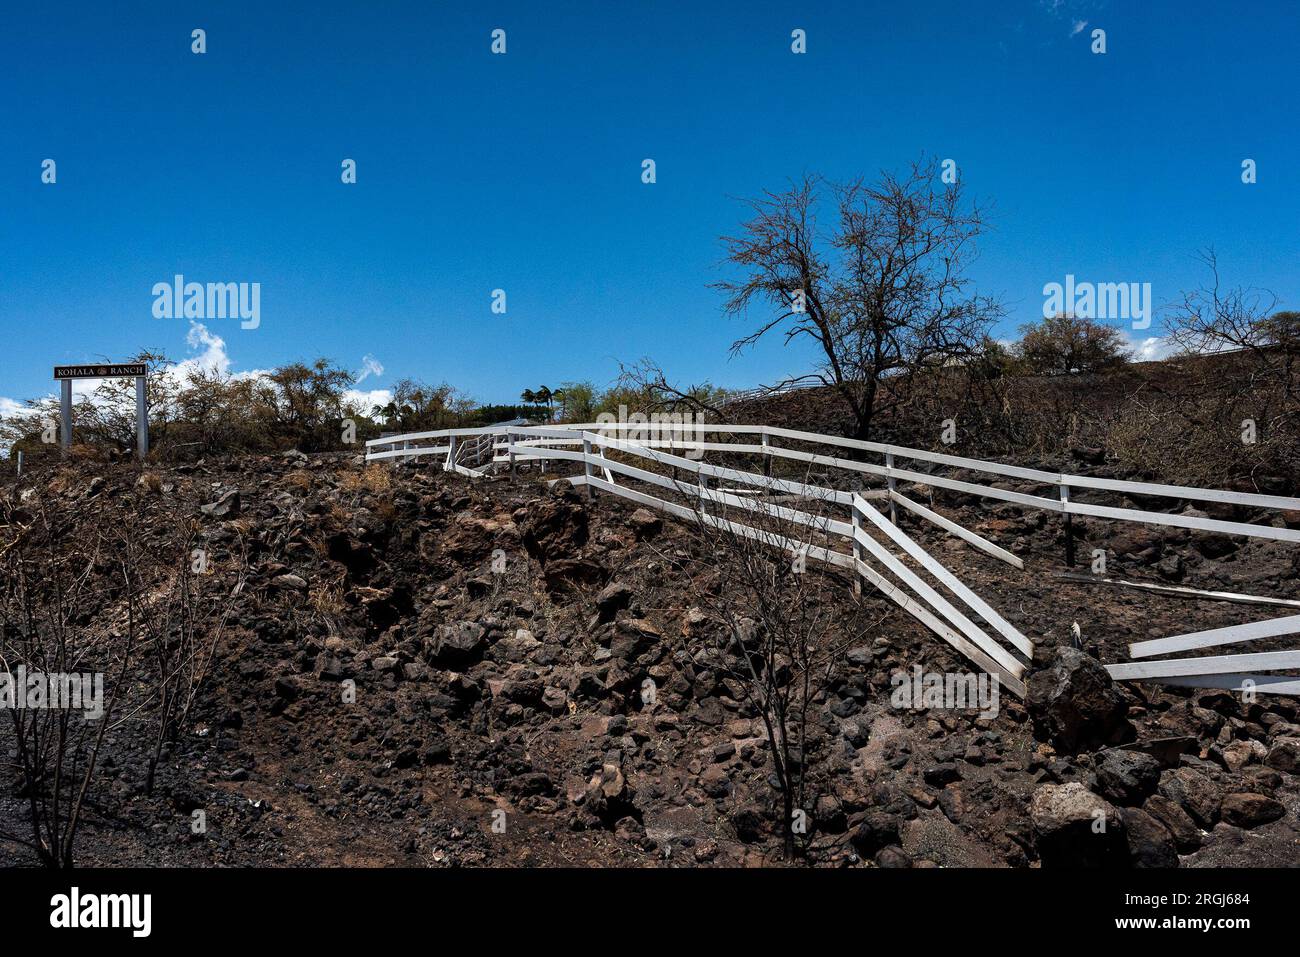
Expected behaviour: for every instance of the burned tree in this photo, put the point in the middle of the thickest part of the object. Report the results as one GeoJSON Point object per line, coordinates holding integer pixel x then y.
{"type": "Point", "coordinates": [103, 632]}
{"type": "Point", "coordinates": [883, 292]}
{"type": "Point", "coordinates": [777, 628]}
{"type": "Point", "coordinates": [49, 587]}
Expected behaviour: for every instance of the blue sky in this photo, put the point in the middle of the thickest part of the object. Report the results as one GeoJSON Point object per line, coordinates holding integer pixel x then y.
{"type": "Point", "coordinates": [522, 172]}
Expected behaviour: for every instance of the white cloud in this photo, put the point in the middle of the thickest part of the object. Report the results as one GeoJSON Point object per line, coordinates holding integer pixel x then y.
{"type": "Point", "coordinates": [369, 366]}
{"type": "Point", "coordinates": [212, 358]}
{"type": "Point", "coordinates": [10, 407]}
{"type": "Point", "coordinates": [1150, 349]}
{"type": "Point", "coordinates": [367, 400]}
{"type": "Point", "coordinates": [1077, 27]}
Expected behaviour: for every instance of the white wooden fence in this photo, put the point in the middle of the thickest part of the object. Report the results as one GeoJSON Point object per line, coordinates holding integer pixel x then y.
{"type": "Point", "coordinates": [996, 646]}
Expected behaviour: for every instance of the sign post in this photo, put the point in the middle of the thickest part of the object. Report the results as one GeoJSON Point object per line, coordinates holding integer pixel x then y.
{"type": "Point", "coordinates": [137, 370]}
{"type": "Point", "coordinates": [141, 419]}
{"type": "Point", "coordinates": [65, 414]}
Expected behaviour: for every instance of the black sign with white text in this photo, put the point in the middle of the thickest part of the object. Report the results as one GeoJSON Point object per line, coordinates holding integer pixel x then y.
{"type": "Point", "coordinates": [103, 371]}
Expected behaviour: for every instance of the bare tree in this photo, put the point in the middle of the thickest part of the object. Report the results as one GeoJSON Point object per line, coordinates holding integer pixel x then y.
{"type": "Point", "coordinates": [646, 380]}
{"type": "Point", "coordinates": [779, 626]}
{"type": "Point", "coordinates": [882, 292]}
{"type": "Point", "coordinates": [44, 602]}
{"type": "Point", "coordinates": [1228, 410]}
{"type": "Point", "coordinates": [105, 605]}
{"type": "Point", "coordinates": [1214, 318]}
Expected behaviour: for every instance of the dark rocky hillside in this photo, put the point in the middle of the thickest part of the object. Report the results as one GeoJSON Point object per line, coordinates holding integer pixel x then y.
{"type": "Point", "coordinates": [498, 634]}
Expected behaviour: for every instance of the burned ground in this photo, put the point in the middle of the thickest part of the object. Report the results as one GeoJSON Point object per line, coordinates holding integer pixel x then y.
{"type": "Point", "coordinates": [498, 635]}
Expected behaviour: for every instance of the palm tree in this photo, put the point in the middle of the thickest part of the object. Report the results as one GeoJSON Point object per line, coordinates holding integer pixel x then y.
{"type": "Point", "coordinates": [544, 398]}
{"type": "Point", "coordinates": [528, 397]}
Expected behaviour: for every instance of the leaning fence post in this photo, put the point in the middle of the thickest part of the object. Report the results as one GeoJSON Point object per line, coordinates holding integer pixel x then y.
{"type": "Point", "coordinates": [1069, 525]}
{"type": "Point", "coordinates": [20, 463]}
{"type": "Point", "coordinates": [586, 465]}
{"type": "Point", "coordinates": [451, 452]}
{"type": "Point", "coordinates": [767, 456]}
{"type": "Point", "coordinates": [893, 484]}
{"type": "Point", "coordinates": [510, 446]}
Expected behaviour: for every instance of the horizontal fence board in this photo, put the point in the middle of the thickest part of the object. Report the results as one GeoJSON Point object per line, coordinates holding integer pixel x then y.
{"type": "Point", "coordinates": [531, 452]}
{"type": "Point", "coordinates": [1179, 491]}
{"type": "Point", "coordinates": [1213, 637]}
{"type": "Point", "coordinates": [407, 453]}
{"type": "Point", "coordinates": [920, 455]}
{"type": "Point", "coordinates": [982, 491]}
{"type": "Point", "coordinates": [1214, 665]}
{"type": "Point", "coordinates": [1269, 684]}
{"type": "Point", "coordinates": [1184, 521]}
{"type": "Point", "coordinates": [435, 434]}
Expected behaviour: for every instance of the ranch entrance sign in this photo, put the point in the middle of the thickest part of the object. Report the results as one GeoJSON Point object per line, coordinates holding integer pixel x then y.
{"type": "Point", "coordinates": [106, 370]}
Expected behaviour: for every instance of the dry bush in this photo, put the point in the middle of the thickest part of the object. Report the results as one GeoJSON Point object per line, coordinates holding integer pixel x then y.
{"type": "Point", "coordinates": [326, 598]}
{"type": "Point", "coordinates": [1193, 434]}
{"type": "Point", "coordinates": [374, 478]}
{"type": "Point", "coordinates": [87, 453]}
{"type": "Point", "coordinates": [299, 479]}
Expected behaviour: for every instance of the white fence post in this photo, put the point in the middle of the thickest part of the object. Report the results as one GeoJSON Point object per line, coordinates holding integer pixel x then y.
{"type": "Point", "coordinates": [893, 485]}
{"type": "Point", "coordinates": [1069, 526]}
{"type": "Point", "coordinates": [586, 465]}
